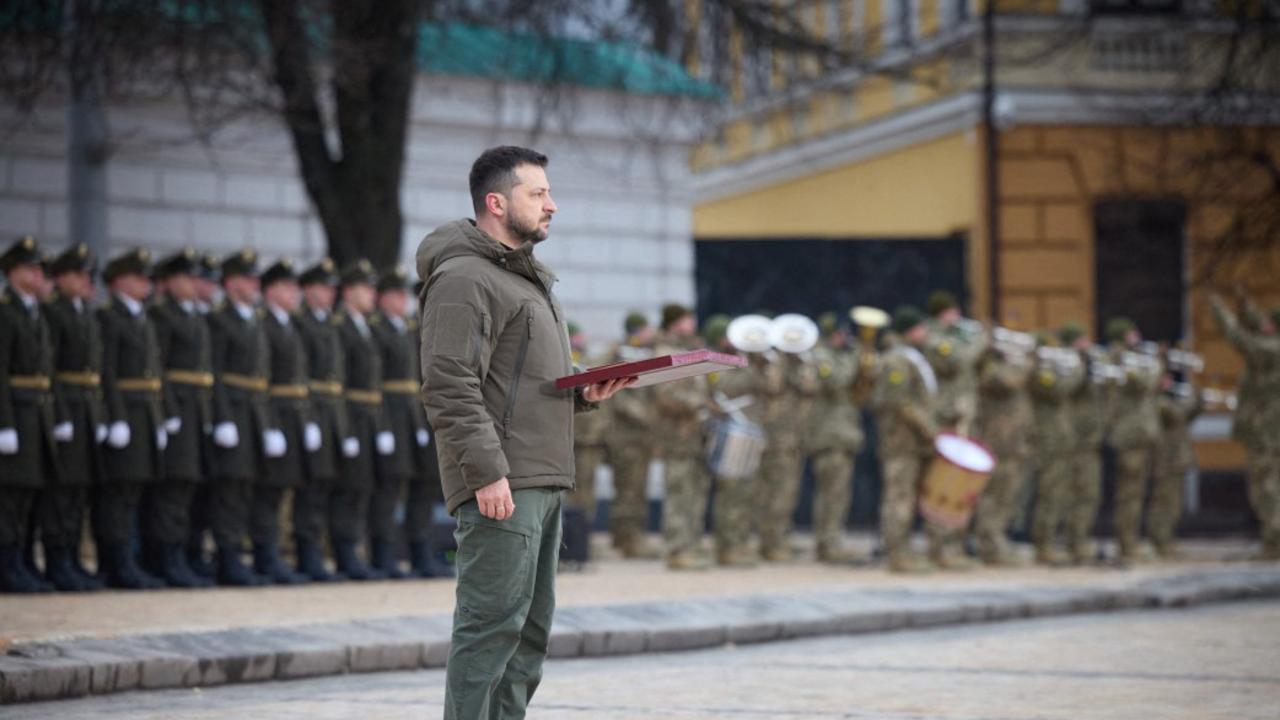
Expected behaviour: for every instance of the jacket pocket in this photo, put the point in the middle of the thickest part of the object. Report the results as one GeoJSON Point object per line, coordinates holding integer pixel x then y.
{"type": "Point", "coordinates": [513, 391]}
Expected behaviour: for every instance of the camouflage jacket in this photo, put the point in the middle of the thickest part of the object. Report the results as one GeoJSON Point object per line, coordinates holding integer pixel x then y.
{"type": "Point", "coordinates": [632, 417]}
{"type": "Point", "coordinates": [1257, 417]}
{"type": "Point", "coordinates": [761, 380]}
{"type": "Point", "coordinates": [955, 357]}
{"type": "Point", "coordinates": [1051, 388]}
{"type": "Point", "coordinates": [1089, 412]}
{"type": "Point", "coordinates": [788, 414]}
{"type": "Point", "coordinates": [591, 429]}
{"type": "Point", "coordinates": [1004, 405]}
{"type": "Point", "coordinates": [903, 403]}
{"type": "Point", "coordinates": [834, 421]}
{"type": "Point", "coordinates": [680, 407]}
{"type": "Point", "coordinates": [1134, 420]}
{"type": "Point", "coordinates": [1176, 414]}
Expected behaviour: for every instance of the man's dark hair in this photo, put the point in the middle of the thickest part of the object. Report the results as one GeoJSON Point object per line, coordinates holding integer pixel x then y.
{"type": "Point", "coordinates": [494, 171]}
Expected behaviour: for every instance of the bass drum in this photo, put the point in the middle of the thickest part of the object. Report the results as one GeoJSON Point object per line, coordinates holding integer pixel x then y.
{"type": "Point", "coordinates": [955, 480]}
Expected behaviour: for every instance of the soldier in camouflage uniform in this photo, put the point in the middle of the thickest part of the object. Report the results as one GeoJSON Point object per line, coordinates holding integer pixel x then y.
{"type": "Point", "coordinates": [782, 466]}
{"type": "Point", "coordinates": [1053, 383]}
{"type": "Point", "coordinates": [1257, 417]}
{"type": "Point", "coordinates": [590, 431]}
{"type": "Point", "coordinates": [903, 402]}
{"type": "Point", "coordinates": [833, 438]}
{"type": "Point", "coordinates": [1088, 407]}
{"type": "Point", "coordinates": [1174, 458]}
{"type": "Point", "coordinates": [28, 450]}
{"type": "Point", "coordinates": [631, 445]}
{"type": "Point", "coordinates": [679, 406]}
{"type": "Point", "coordinates": [1134, 432]}
{"type": "Point", "coordinates": [1004, 424]}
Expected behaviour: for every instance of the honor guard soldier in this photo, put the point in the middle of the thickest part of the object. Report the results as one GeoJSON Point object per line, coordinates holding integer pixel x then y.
{"type": "Point", "coordinates": [1134, 432]}
{"type": "Point", "coordinates": [291, 410]}
{"type": "Point", "coordinates": [631, 445]}
{"type": "Point", "coordinates": [132, 387]}
{"type": "Point", "coordinates": [207, 290]}
{"type": "Point", "coordinates": [28, 449]}
{"type": "Point", "coordinates": [328, 411]}
{"type": "Point", "coordinates": [372, 442]}
{"type": "Point", "coordinates": [244, 430]}
{"type": "Point", "coordinates": [77, 361]}
{"type": "Point", "coordinates": [396, 329]}
{"type": "Point", "coordinates": [184, 347]}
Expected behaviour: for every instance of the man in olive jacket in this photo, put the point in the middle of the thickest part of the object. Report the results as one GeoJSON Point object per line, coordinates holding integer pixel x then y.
{"type": "Point", "coordinates": [493, 342]}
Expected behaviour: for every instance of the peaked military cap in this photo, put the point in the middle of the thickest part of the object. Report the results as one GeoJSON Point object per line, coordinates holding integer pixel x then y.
{"type": "Point", "coordinates": [358, 272]}
{"type": "Point", "coordinates": [24, 251]}
{"type": "Point", "coordinates": [244, 262]}
{"type": "Point", "coordinates": [183, 262]}
{"type": "Point", "coordinates": [397, 278]}
{"type": "Point", "coordinates": [131, 262]}
{"type": "Point", "coordinates": [281, 271]}
{"type": "Point", "coordinates": [673, 312]}
{"type": "Point", "coordinates": [323, 272]}
{"type": "Point", "coordinates": [905, 318]}
{"type": "Point", "coordinates": [210, 268]}
{"type": "Point", "coordinates": [76, 258]}
{"type": "Point", "coordinates": [635, 321]}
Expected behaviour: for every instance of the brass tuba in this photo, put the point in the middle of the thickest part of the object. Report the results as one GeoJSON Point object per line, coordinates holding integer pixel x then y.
{"type": "Point", "coordinates": [869, 321]}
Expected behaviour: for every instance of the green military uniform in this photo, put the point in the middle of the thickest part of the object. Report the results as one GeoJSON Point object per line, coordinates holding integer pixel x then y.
{"type": "Point", "coordinates": [323, 351]}
{"type": "Point", "coordinates": [903, 401]}
{"type": "Point", "coordinates": [590, 432]}
{"type": "Point", "coordinates": [1088, 408]}
{"type": "Point", "coordinates": [679, 406]}
{"type": "Point", "coordinates": [132, 388]}
{"type": "Point", "coordinates": [242, 416]}
{"type": "Point", "coordinates": [1256, 424]}
{"type": "Point", "coordinates": [1174, 458]}
{"type": "Point", "coordinates": [832, 440]}
{"type": "Point", "coordinates": [782, 466]}
{"type": "Point", "coordinates": [1052, 385]}
{"type": "Point", "coordinates": [734, 511]}
{"type": "Point", "coordinates": [185, 346]}
{"type": "Point", "coordinates": [76, 344]}
{"type": "Point", "coordinates": [631, 446]}
{"type": "Point", "coordinates": [28, 451]}
{"type": "Point", "coordinates": [1135, 428]}
{"type": "Point", "coordinates": [1004, 422]}
{"type": "Point", "coordinates": [366, 421]}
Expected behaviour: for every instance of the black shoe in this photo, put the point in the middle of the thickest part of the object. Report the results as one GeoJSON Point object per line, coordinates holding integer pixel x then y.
{"type": "Point", "coordinates": [311, 563]}
{"type": "Point", "coordinates": [267, 563]}
{"type": "Point", "coordinates": [233, 571]}
{"type": "Point", "coordinates": [60, 572]}
{"type": "Point", "coordinates": [14, 577]}
{"type": "Point", "coordinates": [176, 572]}
{"type": "Point", "coordinates": [90, 581]}
{"type": "Point", "coordinates": [199, 564]}
{"type": "Point", "coordinates": [425, 563]}
{"type": "Point", "coordinates": [349, 563]}
{"type": "Point", "coordinates": [385, 562]}
{"type": "Point", "coordinates": [123, 572]}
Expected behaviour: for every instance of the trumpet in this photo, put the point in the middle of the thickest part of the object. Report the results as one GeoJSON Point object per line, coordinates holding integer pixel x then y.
{"type": "Point", "coordinates": [1013, 343]}
{"type": "Point", "coordinates": [970, 328]}
{"type": "Point", "coordinates": [1184, 360]}
{"type": "Point", "coordinates": [869, 320]}
{"type": "Point", "coordinates": [1062, 360]}
{"type": "Point", "coordinates": [1219, 398]}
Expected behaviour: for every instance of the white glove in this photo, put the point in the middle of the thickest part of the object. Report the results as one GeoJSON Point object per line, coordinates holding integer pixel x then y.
{"type": "Point", "coordinates": [226, 436]}
{"type": "Point", "coordinates": [351, 447]}
{"type": "Point", "coordinates": [386, 443]}
{"type": "Point", "coordinates": [274, 443]}
{"type": "Point", "coordinates": [8, 441]}
{"type": "Point", "coordinates": [100, 434]}
{"type": "Point", "coordinates": [64, 432]}
{"type": "Point", "coordinates": [173, 425]}
{"type": "Point", "coordinates": [424, 438]}
{"type": "Point", "coordinates": [311, 437]}
{"type": "Point", "coordinates": [119, 436]}
{"type": "Point", "coordinates": [162, 439]}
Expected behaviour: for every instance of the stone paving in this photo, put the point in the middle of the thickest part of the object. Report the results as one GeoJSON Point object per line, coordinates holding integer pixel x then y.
{"type": "Point", "coordinates": [1217, 662]}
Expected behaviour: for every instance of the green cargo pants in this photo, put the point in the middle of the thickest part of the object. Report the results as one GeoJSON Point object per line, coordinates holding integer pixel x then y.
{"type": "Point", "coordinates": [505, 600]}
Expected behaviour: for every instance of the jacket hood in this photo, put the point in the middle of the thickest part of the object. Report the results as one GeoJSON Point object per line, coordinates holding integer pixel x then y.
{"type": "Point", "coordinates": [461, 238]}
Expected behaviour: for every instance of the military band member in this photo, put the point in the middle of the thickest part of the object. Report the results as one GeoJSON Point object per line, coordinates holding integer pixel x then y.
{"type": "Point", "coordinates": [76, 345]}
{"type": "Point", "coordinates": [291, 410]}
{"type": "Point", "coordinates": [632, 444]}
{"type": "Point", "coordinates": [1178, 405]}
{"type": "Point", "coordinates": [28, 448]}
{"type": "Point", "coordinates": [328, 411]}
{"type": "Point", "coordinates": [590, 431]}
{"type": "Point", "coordinates": [184, 346]}
{"type": "Point", "coordinates": [349, 504]}
{"type": "Point", "coordinates": [833, 439]}
{"type": "Point", "coordinates": [244, 429]}
{"type": "Point", "coordinates": [1004, 421]}
{"type": "Point", "coordinates": [136, 437]}
{"type": "Point", "coordinates": [903, 402]}
{"type": "Point", "coordinates": [1134, 432]}
{"type": "Point", "coordinates": [1055, 379]}
{"type": "Point", "coordinates": [782, 465]}
{"type": "Point", "coordinates": [1089, 412]}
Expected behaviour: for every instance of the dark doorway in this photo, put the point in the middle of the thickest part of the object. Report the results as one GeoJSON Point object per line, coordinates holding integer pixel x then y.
{"type": "Point", "coordinates": [1140, 265]}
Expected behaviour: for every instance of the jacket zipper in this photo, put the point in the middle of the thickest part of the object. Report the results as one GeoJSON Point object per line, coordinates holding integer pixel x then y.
{"type": "Point", "coordinates": [519, 370]}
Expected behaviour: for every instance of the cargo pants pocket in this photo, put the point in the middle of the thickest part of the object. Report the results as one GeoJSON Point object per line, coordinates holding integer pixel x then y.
{"type": "Point", "coordinates": [495, 564]}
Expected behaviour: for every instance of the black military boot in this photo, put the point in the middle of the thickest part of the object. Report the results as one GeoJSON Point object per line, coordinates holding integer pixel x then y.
{"type": "Point", "coordinates": [199, 564]}
{"type": "Point", "coordinates": [425, 564]}
{"type": "Point", "coordinates": [123, 571]}
{"type": "Point", "coordinates": [90, 581]}
{"type": "Point", "coordinates": [233, 571]}
{"type": "Point", "coordinates": [311, 563]}
{"type": "Point", "coordinates": [384, 560]}
{"type": "Point", "coordinates": [176, 572]}
{"type": "Point", "coordinates": [14, 576]}
{"type": "Point", "coordinates": [267, 563]}
{"type": "Point", "coordinates": [349, 563]}
{"type": "Point", "coordinates": [59, 570]}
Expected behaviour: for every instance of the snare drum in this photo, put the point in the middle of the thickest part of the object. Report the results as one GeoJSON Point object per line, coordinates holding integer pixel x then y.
{"type": "Point", "coordinates": [734, 448]}
{"type": "Point", "coordinates": [955, 480]}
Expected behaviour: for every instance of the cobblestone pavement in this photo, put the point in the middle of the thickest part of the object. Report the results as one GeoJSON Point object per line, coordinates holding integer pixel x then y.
{"type": "Point", "coordinates": [1220, 661]}
{"type": "Point", "coordinates": [114, 614]}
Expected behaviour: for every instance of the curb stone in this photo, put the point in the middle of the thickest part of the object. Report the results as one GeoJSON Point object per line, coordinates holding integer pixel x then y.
{"type": "Point", "coordinates": [61, 670]}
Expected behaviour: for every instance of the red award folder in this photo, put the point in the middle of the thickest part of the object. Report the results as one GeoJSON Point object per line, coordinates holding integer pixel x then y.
{"type": "Point", "coordinates": [656, 370]}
